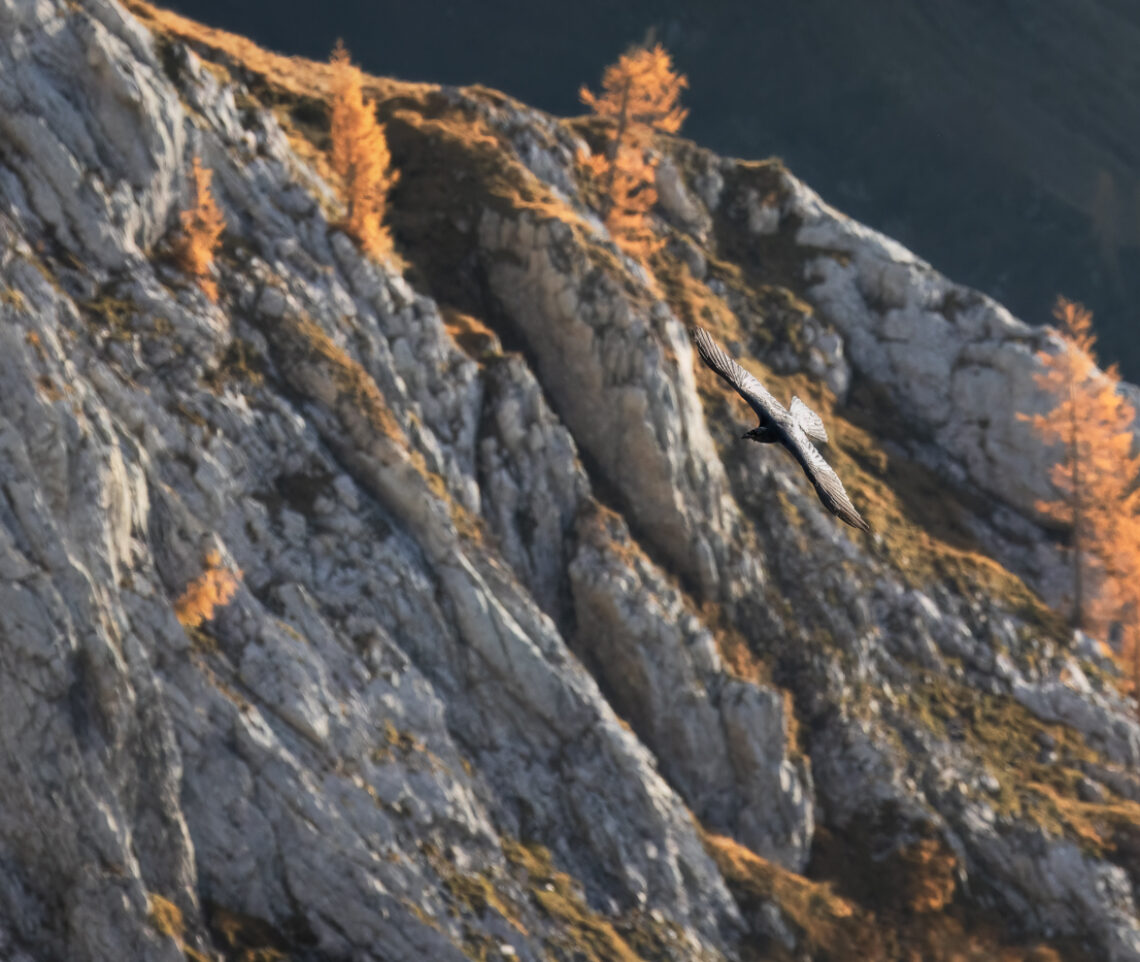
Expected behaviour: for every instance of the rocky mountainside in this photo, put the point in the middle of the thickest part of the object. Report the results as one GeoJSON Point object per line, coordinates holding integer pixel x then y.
{"type": "Point", "coordinates": [530, 657]}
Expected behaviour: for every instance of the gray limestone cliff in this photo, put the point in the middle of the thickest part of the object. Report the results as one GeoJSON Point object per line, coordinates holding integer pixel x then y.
{"type": "Point", "coordinates": [527, 657]}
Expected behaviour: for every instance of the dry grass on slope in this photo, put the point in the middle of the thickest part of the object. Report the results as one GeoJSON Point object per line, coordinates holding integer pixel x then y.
{"type": "Point", "coordinates": [1038, 787]}
{"type": "Point", "coordinates": [917, 921]}
{"type": "Point", "coordinates": [829, 925]}
{"type": "Point", "coordinates": [295, 75]}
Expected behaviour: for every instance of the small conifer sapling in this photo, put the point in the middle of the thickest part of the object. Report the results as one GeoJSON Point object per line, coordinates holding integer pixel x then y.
{"type": "Point", "coordinates": [202, 227]}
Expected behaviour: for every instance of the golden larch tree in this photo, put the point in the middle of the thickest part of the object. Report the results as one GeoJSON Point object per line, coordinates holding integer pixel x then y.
{"type": "Point", "coordinates": [214, 588]}
{"type": "Point", "coordinates": [360, 156]}
{"type": "Point", "coordinates": [1124, 599]}
{"type": "Point", "coordinates": [1095, 477]}
{"type": "Point", "coordinates": [1120, 600]}
{"type": "Point", "coordinates": [639, 99]}
{"type": "Point", "coordinates": [202, 227]}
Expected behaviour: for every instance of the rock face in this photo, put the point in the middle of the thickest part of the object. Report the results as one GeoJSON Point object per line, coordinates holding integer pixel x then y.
{"type": "Point", "coordinates": [519, 627]}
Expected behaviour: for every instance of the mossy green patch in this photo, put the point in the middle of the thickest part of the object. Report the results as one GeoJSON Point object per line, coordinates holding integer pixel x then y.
{"type": "Point", "coordinates": [476, 894]}
{"type": "Point", "coordinates": [1035, 784]}
{"type": "Point", "coordinates": [241, 365]}
{"type": "Point", "coordinates": [583, 934]}
{"type": "Point", "coordinates": [114, 313]}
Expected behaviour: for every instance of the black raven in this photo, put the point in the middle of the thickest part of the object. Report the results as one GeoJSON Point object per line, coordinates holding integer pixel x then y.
{"type": "Point", "coordinates": [791, 427]}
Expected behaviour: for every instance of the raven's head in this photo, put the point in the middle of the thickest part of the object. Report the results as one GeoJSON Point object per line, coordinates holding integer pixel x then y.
{"type": "Point", "coordinates": [762, 434]}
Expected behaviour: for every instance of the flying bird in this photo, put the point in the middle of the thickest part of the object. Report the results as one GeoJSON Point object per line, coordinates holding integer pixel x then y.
{"type": "Point", "coordinates": [792, 427]}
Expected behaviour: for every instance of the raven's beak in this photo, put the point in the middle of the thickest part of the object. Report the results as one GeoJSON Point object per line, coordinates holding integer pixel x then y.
{"type": "Point", "coordinates": [744, 436]}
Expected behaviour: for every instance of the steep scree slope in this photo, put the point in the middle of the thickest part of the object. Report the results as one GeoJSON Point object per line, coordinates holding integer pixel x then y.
{"type": "Point", "coordinates": [529, 658]}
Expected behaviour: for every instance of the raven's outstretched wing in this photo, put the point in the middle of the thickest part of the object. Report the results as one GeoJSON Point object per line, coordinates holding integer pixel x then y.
{"type": "Point", "coordinates": [807, 419]}
{"type": "Point", "coordinates": [766, 407]}
{"type": "Point", "coordinates": [792, 428]}
{"type": "Point", "coordinates": [825, 481]}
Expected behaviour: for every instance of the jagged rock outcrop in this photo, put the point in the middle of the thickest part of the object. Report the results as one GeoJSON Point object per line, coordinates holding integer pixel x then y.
{"type": "Point", "coordinates": [518, 628]}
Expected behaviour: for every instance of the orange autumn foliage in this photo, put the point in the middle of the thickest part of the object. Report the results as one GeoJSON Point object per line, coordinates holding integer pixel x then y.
{"type": "Point", "coordinates": [360, 156]}
{"type": "Point", "coordinates": [639, 99]}
{"type": "Point", "coordinates": [214, 588]}
{"type": "Point", "coordinates": [1096, 482]}
{"type": "Point", "coordinates": [1122, 592]}
{"type": "Point", "coordinates": [202, 226]}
